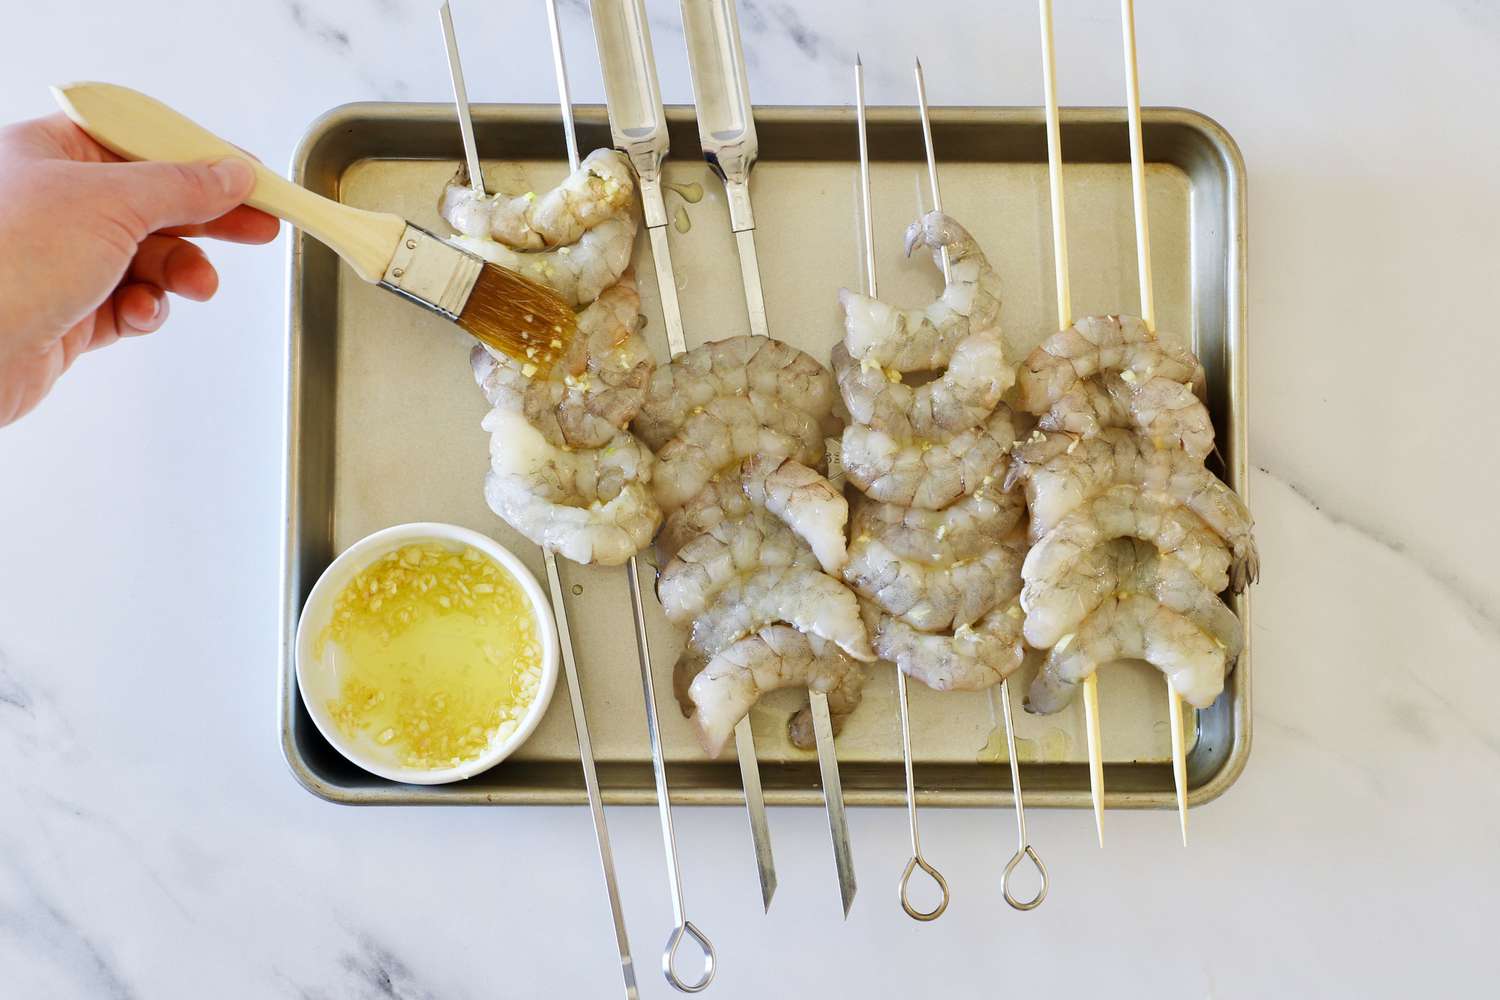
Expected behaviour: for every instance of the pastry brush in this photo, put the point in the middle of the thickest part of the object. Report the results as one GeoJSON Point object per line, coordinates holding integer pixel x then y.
{"type": "Point", "coordinates": [499, 307]}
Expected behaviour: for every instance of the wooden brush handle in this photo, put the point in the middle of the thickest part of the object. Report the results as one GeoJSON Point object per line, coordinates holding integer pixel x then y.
{"type": "Point", "coordinates": [137, 127]}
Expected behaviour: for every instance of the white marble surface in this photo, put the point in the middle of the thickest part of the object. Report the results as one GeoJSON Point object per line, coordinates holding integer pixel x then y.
{"type": "Point", "coordinates": [152, 843]}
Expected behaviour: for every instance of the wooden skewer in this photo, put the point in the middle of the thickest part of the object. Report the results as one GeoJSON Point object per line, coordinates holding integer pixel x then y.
{"type": "Point", "coordinates": [1148, 315]}
{"type": "Point", "coordinates": [1065, 320]}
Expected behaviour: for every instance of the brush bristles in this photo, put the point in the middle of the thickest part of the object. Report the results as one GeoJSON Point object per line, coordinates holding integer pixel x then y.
{"type": "Point", "coordinates": [518, 317]}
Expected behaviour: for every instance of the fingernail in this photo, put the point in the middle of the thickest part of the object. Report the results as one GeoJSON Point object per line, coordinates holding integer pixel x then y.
{"type": "Point", "coordinates": [234, 175]}
{"type": "Point", "coordinates": [155, 306]}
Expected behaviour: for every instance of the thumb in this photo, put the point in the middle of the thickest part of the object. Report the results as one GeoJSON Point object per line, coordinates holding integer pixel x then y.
{"type": "Point", "coordinates": [158, 195]}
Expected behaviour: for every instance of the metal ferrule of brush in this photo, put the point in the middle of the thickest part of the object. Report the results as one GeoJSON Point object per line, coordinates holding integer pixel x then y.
{"type": "Point", "coordinates": [431, 272]}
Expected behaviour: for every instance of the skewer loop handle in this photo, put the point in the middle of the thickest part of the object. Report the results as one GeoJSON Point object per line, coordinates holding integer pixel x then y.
{"type": "Point", "coordinates": [1025, 852]}
{"type": "Point", "coordinates": [917, 861]}
{"type": "Point", "coordinates": [669, 958]}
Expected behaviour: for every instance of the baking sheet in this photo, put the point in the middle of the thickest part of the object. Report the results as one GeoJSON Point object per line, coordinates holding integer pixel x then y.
{"type": "Point", "coordinates": [383, 415]}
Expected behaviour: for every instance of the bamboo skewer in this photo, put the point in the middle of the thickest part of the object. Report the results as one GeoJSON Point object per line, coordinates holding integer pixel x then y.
{"type": "Point", "coordinates": [1148, 315]}
{"type": "Point", "coordinates": [549, 560]}
{"type": "Point", "coordinates": [1065, 320]}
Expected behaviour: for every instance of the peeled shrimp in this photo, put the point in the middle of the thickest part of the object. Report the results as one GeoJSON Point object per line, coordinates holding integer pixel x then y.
{"type": "Point", "coordinates": [804, 500]}
{"type": "Point", "coordinates": [1132, 626]}
{"type": "Point", "coordinates": [811, 601]}
{"type": "Point", "coordinates": [922, 473]}
{"type": "Point", "coordinates": [591, 506]}
{"type": "Point", "coordinates": [594, 390]}
{"type": "Point", "coordinates": [932, 597]}
{"type": "Point", "coordinates": [970, 659]}
{"type": "Point", "coordinates": [1127, 512]}
{"type": "Point", "coordinates": [578, 272]}
{"type": "Point", "coordinates": [842, 701]}
{"type": "Point", "coordinates": [1169, 413]}
{"type": "Point", "coordinates": [1101, 344]}
{"type": "Point", "coordinates": [960, 531]}
{"type": "Point", "coordinates": [1126, 566]}
{"type": "Point", "coordinates": [775, 656]}
{"type": "Point", "coordinates": [924, 339]}
{"type": "Point", "coordinates": [737, 366]}
{"type": "Point", "coordinates": [727, 430]}
{"type": "Point", "coordinates": [1061, 472]}
{"type": "Point", "coordinates": [716, 558]}
{"type": "Point", "coordinates": [601, 188]}
{"type": "Point", "coordinates": [973, 382]}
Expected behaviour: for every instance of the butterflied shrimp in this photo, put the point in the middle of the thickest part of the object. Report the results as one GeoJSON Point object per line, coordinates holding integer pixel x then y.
{"type": "Point", "coordinates": [1132, 627]}
{"type": "Point", "coordinates": [579, 272]}
{"type": "Point", "coordinates": [602, 188]}
{"type": "Point", "coordinates": [716, 558]}
{"type": "Point", "coordinates": [591, 506]}
{"type": "Point", "coordinates": [924, 339]}
{"type": "Point", "coordinates": [804, 500]}
{"type": "Point", "coordinates": [926, 474]}
{"type": "Point", "coordinates": [774, 657]}
{"type": "Point", "coordinates": [1127, 512]}
{"type": "Point", "coordinates": [971, 659]}
{"type": "Point", "coordinates": [594, 390]}
{"type": "Point", "coordinates": [1060, 472]}
{"type": "Point", "coordinates": [810, 600]}
{"type": "Point", "coordinates": [1168, 413]}
{"type": "Point", "coordinates": [1126, 566]}
{"type": "Point", "coordinates": [737, 366]}
{"type": "Point", "coordinates": [1097, 344]}
{"type": "Point", "coordinates": [962, 397]}
{"type": "Point", "coordinates": [726, 431]}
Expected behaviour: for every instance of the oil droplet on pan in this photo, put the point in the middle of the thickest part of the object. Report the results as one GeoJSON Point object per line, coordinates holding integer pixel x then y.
{"type": "Point", "coordinates": [680, 221]}
{"type": "Point", "coordinates": [692, 192]}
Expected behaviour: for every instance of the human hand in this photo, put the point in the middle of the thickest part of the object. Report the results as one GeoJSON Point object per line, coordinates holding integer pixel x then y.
{"type": "Point", "coordinates": [90, 246]}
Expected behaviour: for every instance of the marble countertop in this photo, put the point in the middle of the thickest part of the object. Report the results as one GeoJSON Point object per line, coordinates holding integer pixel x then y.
{"type": "Point", "coordinates": [153, 843]}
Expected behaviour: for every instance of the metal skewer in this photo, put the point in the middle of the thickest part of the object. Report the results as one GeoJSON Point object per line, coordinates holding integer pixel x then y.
{"type": "Point", "coordinates": [1065, 320]}
{"type": "Point", "coordinates": [871, 287]}
{"type": "Point", "coordinates": [731, 150]}
{"type": "Point", "coordinates": [639, 130]}
{"type": "Point", "coordinates": [1002, 693]}
{"type": "Point", "coordinates": [554, 581]}
{"type": "Point", "coordinates": [1148, 314]}
{"type": "Point", "coordinates": [726, 130]}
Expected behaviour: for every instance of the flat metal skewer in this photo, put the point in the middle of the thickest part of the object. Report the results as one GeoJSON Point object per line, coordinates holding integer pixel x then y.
{"type": "Point", "coordinates": [1148, 315]}
{"type": "Point", "coordinates": [872, 289]}
{"type": "Point", "coordinates": [726, 131]}
{"type": "Point", "coordinates": [1002, 693]}
{"type": "Point", "coordinates": [554, 584]}
{"type": "Point", "coordinates": [638, 128]}
{"type": "Point", "coordinates": [1065, 320]}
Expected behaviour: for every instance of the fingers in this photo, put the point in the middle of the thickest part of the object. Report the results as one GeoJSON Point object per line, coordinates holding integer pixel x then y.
{"type": "Point", "coordinates": [176, 266]}
{"type": "Point", "coordinates": [135, 308]}
{"type": "Point", "coordinates": [238, 225]}
{"type": "Point", "coordinates": [148, 196]}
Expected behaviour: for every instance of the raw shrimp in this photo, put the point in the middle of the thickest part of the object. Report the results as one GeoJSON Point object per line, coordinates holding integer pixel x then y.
{"type": "Point", "coordinates": [1126, 566]}
{"type": "Point", "coordinates": [960, 531]}
{"type": "Point", "coordinates": [723, 690]}
{"type": "Point", "coordinates": [936, 596]}
{"type": "Point", "coordinates": [924, 339]}
{"type": "Point", "coordinates": [804, 500]}
{"type": "Point", "coordinates": [602, 188]}
{"type": "Point", "coordinates": [1101, 344]}
{"type": "Point", "coordinates": [808, 599]}
{"type": "Point", "coordinates": [967, 391]}
{"type": "Point", "coordinates": [842, 701]}
{"type": "Point", "coordinates": [1169, 413]}
{"type": "Point", "coordinates": [591, 506]}
{"type": "Point", "coordinates": [727, 430]}
{"type": "Point", "coordinates": [1127, 512]}
{"type": "Point", "coordinates": [594, 390]}
{"type": "Point", "coordinates": [923, 473]}
{"type": "Point", "coordinates": [578, 272]}
{"type": "Point", "coordinates": [734, 367]}
{"type": "Point", "coordinates": [721, 499]}
{"type": "Point", "coordinates": [1061, 472]}
{"type": "Point", "coordinates": [970, 659]}
{"type": "Point", "coordinates": [1131, 626]}
{"type": "Point", "coordinates": [722, 554]}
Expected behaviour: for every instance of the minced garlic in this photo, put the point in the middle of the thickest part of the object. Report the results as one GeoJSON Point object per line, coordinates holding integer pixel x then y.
{"type": "Point", "coordinates": [440, 654]}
